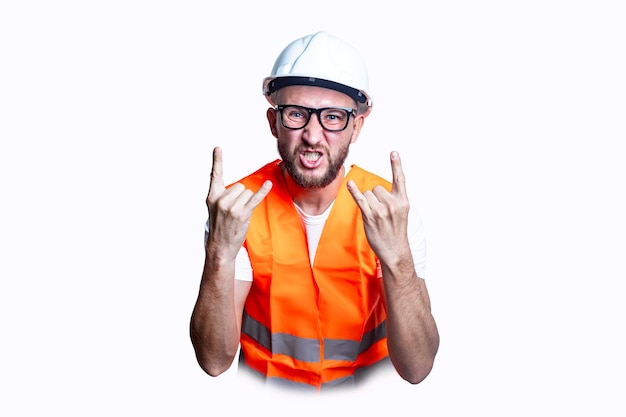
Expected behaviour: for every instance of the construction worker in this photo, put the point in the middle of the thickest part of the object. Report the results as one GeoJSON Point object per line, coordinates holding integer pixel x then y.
{"type": "Point", "coordinates": [314, 271]}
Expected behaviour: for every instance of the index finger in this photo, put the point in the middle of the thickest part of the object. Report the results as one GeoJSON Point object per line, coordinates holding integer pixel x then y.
{"type": "Point", "coordinates": [398, 179]}
{"type": "Point", "coordinates": [217, 179]}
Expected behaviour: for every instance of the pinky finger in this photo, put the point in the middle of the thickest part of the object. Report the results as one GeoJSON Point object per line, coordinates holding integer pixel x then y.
{"type": "Point", "coordinates": [358, 197]}
{"type": "Point", "coordinates": [260, 194]}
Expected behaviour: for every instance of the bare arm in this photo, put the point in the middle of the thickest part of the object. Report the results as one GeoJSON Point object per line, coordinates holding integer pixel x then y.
{"type": "Point", "coordinates": [412, 335]}
{"type": "Point", "coordinates": [216, 319]}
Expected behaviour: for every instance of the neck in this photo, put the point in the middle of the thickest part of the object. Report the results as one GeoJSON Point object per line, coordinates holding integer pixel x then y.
{"type": "Point", "coordinates": [314, 201]}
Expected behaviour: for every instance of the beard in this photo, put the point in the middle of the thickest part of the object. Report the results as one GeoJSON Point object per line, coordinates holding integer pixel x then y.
{"type": "Point", "coordinates": [335, 163]}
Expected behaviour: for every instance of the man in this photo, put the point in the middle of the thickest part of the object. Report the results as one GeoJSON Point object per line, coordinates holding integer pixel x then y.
{"type": "Point", "coordinates": [310, 267]}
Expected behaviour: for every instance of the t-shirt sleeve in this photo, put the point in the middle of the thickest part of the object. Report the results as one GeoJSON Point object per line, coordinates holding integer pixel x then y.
{"type": "Point", "coordinates": [417, 241]}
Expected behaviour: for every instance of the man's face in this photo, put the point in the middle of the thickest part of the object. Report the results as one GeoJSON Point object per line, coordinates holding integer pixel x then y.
{"type": "Point", "coordinates": [313, 156]}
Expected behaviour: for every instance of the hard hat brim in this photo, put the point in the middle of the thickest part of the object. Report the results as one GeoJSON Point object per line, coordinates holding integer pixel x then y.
{"type": "Point", "coordinates": [273, 84]}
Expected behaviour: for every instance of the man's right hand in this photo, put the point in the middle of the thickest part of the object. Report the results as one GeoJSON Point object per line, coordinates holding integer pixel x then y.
{"type": "Point", "coordinates": [230, 209]}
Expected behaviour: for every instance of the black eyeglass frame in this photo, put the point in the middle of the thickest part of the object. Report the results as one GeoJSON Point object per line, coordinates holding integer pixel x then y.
{"type": "Point", "coordinates": [318, 112]}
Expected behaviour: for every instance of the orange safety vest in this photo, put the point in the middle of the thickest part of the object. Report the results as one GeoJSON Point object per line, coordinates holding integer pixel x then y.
{"type": "Point", "coordinates": [311, 325]}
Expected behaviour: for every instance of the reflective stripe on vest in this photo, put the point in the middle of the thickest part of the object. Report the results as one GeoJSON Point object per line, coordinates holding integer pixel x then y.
{"type": "Point", "coordinates": [311, 322]}
{"type": "Point", "coordinates": [306, 349]}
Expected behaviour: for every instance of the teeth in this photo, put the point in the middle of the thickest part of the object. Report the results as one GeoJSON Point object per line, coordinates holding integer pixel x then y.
{"type": "Point", "coordinates": [312, 156]}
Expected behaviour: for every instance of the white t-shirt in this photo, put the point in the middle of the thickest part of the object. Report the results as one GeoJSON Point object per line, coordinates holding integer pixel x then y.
{"type": "Point", "coordinates": [314, 226]}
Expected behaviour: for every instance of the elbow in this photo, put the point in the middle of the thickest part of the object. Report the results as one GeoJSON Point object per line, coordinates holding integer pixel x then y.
{"type": "Point", "coordinates": [416, 376]}
{"type": "Point", "coordinates": [416, 370]}
{"type": "Point", "coordinates": [212, 368]}
{"type": "Point", "coordinates": [211, 362]}
{"type": "Point", "coordinates": [214, 364]}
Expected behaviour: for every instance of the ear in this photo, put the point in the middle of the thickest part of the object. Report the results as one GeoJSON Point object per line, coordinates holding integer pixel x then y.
{"type": "Point", "coordinates": [356, 127]}
{"type": "Point", "coordinates": [272, 117]}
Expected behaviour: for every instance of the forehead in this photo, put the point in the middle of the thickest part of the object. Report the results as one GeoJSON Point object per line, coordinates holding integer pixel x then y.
{"type": "Point", "coordinates": [310, 96]}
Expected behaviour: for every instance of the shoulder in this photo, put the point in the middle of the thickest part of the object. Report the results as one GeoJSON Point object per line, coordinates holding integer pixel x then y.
{"type": "Point", "coordinates": [269, 171]}
{"type": "Point", "coordinates": [365, 178]}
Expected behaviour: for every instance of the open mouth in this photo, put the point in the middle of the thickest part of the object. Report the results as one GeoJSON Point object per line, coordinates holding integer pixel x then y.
{"type": "Point", "coordinates": [311, 159]}
{"type": "Point", "coordinates": [312, 156]}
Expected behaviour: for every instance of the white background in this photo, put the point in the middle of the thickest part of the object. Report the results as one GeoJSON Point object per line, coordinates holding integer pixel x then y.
{"type": "Point", "coordinates": [509, 117]}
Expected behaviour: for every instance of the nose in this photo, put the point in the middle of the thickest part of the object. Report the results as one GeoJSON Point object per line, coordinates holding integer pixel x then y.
{"type": "Point", "coordinates": [313, 132]}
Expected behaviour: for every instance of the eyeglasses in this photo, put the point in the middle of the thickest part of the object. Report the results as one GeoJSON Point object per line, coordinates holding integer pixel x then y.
{"type": "Point", "coordinates": [332, 119]}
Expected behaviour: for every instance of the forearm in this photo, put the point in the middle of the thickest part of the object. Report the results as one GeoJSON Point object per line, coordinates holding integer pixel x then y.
{"type": "Point", "coordinates": [412, 336]}
{"type": "Point", "coordinates": [214, 325]}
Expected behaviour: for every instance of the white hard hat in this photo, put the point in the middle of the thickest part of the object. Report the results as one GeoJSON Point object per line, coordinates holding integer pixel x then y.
{"type": "Point", "coordinates": [321, 60]}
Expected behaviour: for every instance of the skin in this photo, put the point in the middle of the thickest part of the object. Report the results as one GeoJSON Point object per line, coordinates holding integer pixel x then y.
{"type": "Point", "coordinates": [412, 334]}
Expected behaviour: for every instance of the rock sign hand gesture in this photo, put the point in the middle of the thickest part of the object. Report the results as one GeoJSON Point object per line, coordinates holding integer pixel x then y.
{"type": "Point", "coordinates": [385, 214]}
{"type": "Point", "coordinates": [230, 209]}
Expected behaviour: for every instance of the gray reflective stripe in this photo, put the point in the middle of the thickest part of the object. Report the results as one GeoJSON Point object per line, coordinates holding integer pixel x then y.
{"type": "Point", "coordinates": [348, 350]}
{"type": "Point", "coordinates": [307, 349]}
{"type": "Point", "coordinates": [300, 348]}
{"type": "Point", "coordinates": [257, 331]}
{"type": "Point", "coordinates": [377, 333]}
{"type": "Point", "coordinates": [341, 350]}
